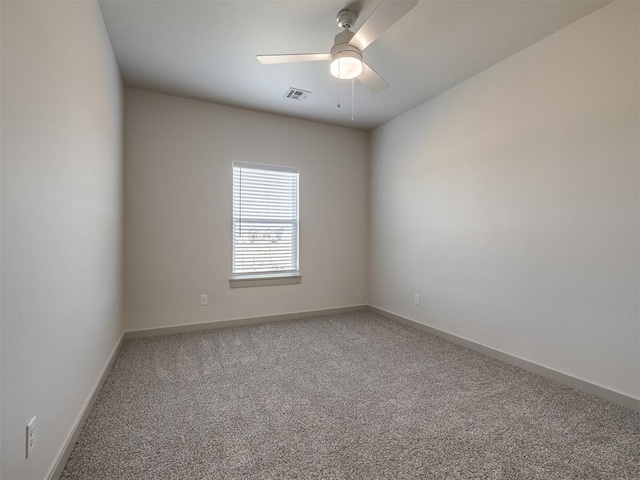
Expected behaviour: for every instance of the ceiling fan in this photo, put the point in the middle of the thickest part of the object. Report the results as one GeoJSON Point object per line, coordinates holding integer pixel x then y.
{"type": "Point", "coordinates": [346, 53]}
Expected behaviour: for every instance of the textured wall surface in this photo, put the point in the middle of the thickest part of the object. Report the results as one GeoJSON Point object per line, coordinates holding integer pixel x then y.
{"type": "Point", "coordinates": [61, 221]}
{"type": "Point", "coordinates": [510, 203]}
{"type": "Point", "coordinates": [178, 185]}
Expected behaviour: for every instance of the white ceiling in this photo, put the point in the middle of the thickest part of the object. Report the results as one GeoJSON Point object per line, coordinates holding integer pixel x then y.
{"type": "Point", "coordinates": [206, 50]}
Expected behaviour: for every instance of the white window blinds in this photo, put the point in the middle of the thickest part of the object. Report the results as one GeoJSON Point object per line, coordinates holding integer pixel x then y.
{"type": "Point", "coordinates": [265, 219]}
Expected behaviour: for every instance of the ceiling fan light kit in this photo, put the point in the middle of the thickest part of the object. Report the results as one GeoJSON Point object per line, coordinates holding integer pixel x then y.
{"type": "Point", "coordinates": [346, 59]}
{"type": "Point", "coordinates": [346, 65]}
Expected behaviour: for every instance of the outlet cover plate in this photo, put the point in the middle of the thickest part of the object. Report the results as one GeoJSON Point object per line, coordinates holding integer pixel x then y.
{"type": "Point", "coordinates": [31, 437]}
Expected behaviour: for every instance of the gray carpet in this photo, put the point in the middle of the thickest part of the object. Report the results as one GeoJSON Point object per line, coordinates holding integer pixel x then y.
{"type": "Point", "coordinates": [347, 396]}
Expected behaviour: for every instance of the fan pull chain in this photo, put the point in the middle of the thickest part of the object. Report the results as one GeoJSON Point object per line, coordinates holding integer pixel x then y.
{"type": "Point", "coordinates": [338, 94]}
{"type": "Point", "coordinates": [353, 97]}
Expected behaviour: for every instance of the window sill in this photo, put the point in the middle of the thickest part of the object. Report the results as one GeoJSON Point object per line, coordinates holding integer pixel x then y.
{"type": "Point", "coordinates": [241, 281]}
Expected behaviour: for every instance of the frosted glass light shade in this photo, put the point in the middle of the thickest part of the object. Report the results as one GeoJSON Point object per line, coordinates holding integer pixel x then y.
{"type": "Point", "coordinates": [346, 65]}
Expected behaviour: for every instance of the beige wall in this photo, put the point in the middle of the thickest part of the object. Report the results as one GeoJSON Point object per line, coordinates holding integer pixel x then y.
{"type": "Point", "coordinates": [178, 157]}
{"type": "Point", "coordinates": [61, 221]}
{"type": "Point", "coordinates": [510, 203]}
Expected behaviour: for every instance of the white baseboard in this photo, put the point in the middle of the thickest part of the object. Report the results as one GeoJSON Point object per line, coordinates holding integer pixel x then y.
{"type": "Point", "coordinates": [573, 382]}
{"type": "Point", "coordinates": [195, 327]}
{"type": "Point", "coordinates": [72, 437]}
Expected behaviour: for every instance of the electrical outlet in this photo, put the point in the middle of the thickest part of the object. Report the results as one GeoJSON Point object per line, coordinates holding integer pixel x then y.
{"type": "Point", "coordinates": [416, 299]}
{"type": "Point", "coordinates": [31, 436]}
{"type": "Point", "coordinates": [204, 300]}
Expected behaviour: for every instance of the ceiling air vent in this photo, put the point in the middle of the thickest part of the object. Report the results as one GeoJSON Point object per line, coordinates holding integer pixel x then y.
{"type": "Point", "coordinates": [296, 94]}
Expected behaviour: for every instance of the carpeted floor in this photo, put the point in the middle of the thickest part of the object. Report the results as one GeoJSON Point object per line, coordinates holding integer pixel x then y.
{"type": "Point", "coordinates": [348, 396]}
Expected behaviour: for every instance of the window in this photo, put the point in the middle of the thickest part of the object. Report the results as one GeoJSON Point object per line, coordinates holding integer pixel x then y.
{"type": "Point", "coordinates": [265, 225]}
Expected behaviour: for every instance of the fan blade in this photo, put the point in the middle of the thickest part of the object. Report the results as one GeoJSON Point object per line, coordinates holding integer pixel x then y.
{"type": "Point", "coordinates": [371, 80]}
{"type": "Point", "coordinates": [383, 16]}
{"type": "Point", "coordinates": [293, 58]}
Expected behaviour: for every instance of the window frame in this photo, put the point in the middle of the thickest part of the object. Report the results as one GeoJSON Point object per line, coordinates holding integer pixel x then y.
{"type": "Point", "coordinates": [253, 279]}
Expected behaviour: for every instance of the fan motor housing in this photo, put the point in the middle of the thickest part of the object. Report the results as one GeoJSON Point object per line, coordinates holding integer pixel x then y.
{"type": "Point", "coordinates": [341, 44]}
